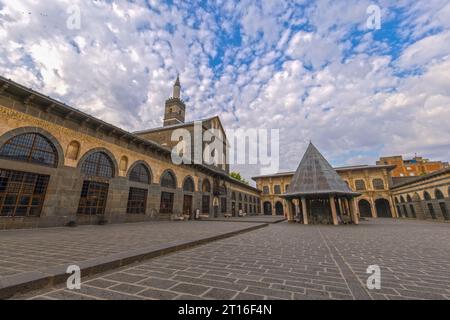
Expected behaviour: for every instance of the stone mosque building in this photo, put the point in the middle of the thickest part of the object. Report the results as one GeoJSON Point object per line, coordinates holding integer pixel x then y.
{"type": "Point", "coordinates": [60, 166]}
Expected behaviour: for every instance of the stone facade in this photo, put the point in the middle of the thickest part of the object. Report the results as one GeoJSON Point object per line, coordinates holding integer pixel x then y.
{"type": "Point", "coordinates": [426, 197]}
{"type": "Point", "coordinates": [75, 136]}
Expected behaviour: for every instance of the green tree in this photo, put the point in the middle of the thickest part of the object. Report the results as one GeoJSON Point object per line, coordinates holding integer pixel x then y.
{"type": "Point", "coordinates": [237, 176]}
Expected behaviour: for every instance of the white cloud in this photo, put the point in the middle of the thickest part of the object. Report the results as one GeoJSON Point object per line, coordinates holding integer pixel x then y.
{"type": "Point", "coordinates": [355, 101]}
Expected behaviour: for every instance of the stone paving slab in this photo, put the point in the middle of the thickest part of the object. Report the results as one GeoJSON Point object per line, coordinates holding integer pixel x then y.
{"type": "Point", "coordinates": [261, 219]}
{"type": "Point", "coordinates": [32, 259]}
{"type": "Point", "coordinates": [288, 261]}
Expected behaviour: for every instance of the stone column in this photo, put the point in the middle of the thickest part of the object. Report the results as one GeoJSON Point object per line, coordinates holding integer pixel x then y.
{"type": "Point", "coordinates": [393, 208]}
{"type": "Point", "coordinates": [291, 215]}
{"type": "Point", "coordinates": [373, 208]}
{"type": "Point", "coordinates": [304, 211]}
{"type": "Point", "coordinates": [354, 211]}
{"type": "Point", "coordinates": [333, 211]}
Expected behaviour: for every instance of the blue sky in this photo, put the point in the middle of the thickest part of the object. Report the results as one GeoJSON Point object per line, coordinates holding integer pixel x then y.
{"type": "Point", "coordinates": [310, 68]}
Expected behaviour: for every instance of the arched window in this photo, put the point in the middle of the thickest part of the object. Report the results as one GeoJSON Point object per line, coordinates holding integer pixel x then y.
{"type": "Point", "coordinates": [402, 200]}
{"type": "Point", "coordinates": [438, 193]}
{"type": "Point", "coordinates": [245, 198]}
{"type": "Point", "coordinates": [378, 184]}
{"type": "Point", "coordinates": [240, 196]}
{"type": "Point", "coordinates": [168, 180]}
{"type": "Point", "coordinates": [426, 196]}
{"type": "Point", "coordinates": [360, 185]}
{"type": "Point", "coordinates": [277, 189]}
{"type": "Point", "coordinates": [141, 174]}
{"type": "Point", "coordinates": [408, 198]}
{"type": "Point", "coordinates": [98, 164]}
{"type": "Point", "coordinates": [32, 148]}
{"type": "Point", "coordinates": [188, 185]}
{"type": "Point", "coordinates": [206, 186]}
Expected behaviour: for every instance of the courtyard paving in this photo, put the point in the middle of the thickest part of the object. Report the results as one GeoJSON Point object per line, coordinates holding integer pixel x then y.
{"type": "Point", "coordinates": [288, 261]}
{"type": "Point", "coordinates": [24, 251]}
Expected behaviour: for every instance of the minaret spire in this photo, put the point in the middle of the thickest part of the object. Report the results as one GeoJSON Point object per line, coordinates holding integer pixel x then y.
{"type": "Point", "coordinates": [175, 108]}
{"type": "Point", "coordinates": [177, 88]}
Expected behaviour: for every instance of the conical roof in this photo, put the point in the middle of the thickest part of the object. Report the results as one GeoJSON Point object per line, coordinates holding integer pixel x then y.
{"type": "Point", "coordinates": [315, 176]}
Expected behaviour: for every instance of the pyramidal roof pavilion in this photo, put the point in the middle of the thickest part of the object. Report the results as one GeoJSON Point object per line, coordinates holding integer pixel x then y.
{"type": "Point", "coordinates": [323, 195]}
{"type": "Point", "coordinates": [315, 176]}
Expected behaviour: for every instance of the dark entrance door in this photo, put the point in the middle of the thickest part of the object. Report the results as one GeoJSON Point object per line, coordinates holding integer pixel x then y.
{"type": "Point", "coordinates": [166, 202]}
{"type": "Point", "coordinates": [205, 204]}
{"type": "Point", "coordinates": [233, 209]}
{"type": "Point", "coordinates": [320, 212]}
{"type": "Point", "coordinates": [187, 205]}
{"type": "Point", "coordinates": [383, 209]}
{"type": "Point", "coordinates": [364, 208]}
{"type": "Point", "coordinates": [279, 209]}
{"type": "Point", "coordinates": [267, 208]}
{"type": "Point", "coordinates": [431, 209]}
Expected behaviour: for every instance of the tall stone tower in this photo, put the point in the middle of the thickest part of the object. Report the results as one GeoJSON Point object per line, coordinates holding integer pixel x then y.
{"type": "Point", "coordinates": [175, 108]}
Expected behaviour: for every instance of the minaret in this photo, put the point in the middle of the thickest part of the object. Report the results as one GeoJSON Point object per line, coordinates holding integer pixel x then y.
{"type": "Point", "coordinates": [175, 107]}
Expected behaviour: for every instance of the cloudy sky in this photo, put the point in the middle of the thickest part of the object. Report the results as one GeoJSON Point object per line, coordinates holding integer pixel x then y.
{"type": "Point", "coordinates": [312, 69]}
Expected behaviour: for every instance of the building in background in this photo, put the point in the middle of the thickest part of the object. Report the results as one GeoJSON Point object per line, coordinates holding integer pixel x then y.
{"type": "Point", "coordinates": [371, 182]}
{"type": "Point", "coordinates": [414, 167]}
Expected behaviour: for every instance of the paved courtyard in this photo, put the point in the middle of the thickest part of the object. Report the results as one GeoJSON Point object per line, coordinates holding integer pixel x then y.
{"type": "Point", "coordinates": [24, 251]}
{"type": "Point", "coordinates": [288, 261]}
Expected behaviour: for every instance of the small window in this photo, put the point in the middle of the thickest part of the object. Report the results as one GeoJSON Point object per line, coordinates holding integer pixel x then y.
{"type": "Point", "coordinates": [378, 184]}
{"type": "Point", "coordinates": [265, 190]}
{"type": "Point", "coordinates": [360, 185]}
{"type": "Point", "coordinates": [277, 189]}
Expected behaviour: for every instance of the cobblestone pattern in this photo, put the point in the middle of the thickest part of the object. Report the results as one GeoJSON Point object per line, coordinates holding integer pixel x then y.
{"type": "Point", "coordinates": [35, 250]}
{"type": "Point", "coordinates": [289, 261]}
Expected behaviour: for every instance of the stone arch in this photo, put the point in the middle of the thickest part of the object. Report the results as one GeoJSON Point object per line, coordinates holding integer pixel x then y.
{"type": "Point", "coordinates": [416, 197]}
{"type": "Point", "coordinates": [144, 165]}
{"type": "Point", "coordinates": [73, 150]}
{"type": "Point", "coordinates": [168, 179]}
{"type": "Point", "coordinates": [105, 151]}
{"type": "Point", "coordinates": [267, 208]}
{"type": "Point", "coordinates": [365, 209]}
{"type": "Point", "coordinates": [360, 185]}
{"type": "Point", "coordinates": [408, 198]}
{"type": "Point", "coordinates": [402, 199]}
{"type": "Point", "coordinates": [279, 210]}
{"type": "Point", "coordinates": [438, 194]}
{"type": "Point", "coordinates": [383, 208]}
{"type": "Point", "coordinates": [188, 184]}
{"type": "Point", "coordinates": [378, 184]}
{"type": "Point", "coordinates": [426, 196]}
{"type": "Point", "coordinates": [123, 164]}
{"type": "Point", "coordinates": [98, 164]}
{"type": "Point", "coordinates": [24, 130]}
{"type": "Point", "coordinates": [206, 185]}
